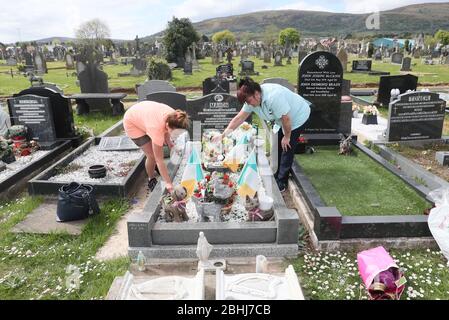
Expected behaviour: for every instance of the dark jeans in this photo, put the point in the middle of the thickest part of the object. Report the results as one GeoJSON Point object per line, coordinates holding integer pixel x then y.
{"type": "Point", "coordinates": [285, 159]}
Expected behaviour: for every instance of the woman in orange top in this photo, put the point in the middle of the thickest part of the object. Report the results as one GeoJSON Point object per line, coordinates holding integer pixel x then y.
{"type": "Point", "coordinates": [149, 124]}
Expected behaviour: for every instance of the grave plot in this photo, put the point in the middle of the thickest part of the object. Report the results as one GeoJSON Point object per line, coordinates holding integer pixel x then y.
{"type": "Point", "coordinates": [16, 174]}
{"type": "Point", "coordinates": [226, 224]}
{"type": "Point", "coordinates": [360, 196]}
{"type": "Point", "coordinates": [123, 168]}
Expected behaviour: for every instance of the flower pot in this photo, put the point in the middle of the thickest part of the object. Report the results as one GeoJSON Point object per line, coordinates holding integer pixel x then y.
{"type": "Point", "coordinates": [97, 171]}
{"type": "Point", "coordinates": [369, 119]}
{"type": "Point", "coordinates": [18, 141]}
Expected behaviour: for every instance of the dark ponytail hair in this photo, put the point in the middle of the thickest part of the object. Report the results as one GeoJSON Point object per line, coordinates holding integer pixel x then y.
{"type": "Point", "coordinates": [247, 88]}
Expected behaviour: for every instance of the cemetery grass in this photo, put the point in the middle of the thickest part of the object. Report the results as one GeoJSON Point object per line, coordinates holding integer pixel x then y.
{"type": "Point", "coordinates": [357, 185]}
{"type": "Point", "coordinates": [95, 122]}
{"type": "Point", "coordinates": [66, 79]}
{"type": "Point", "coordinates": [38, 266]}
{"type": "Point", "coordinates": [335, 276]}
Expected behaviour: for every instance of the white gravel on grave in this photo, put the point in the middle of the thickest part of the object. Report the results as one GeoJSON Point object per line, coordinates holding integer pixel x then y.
{"type": "Point", "coordinates": [113, 160]}
{"type": "Point", "coordinates": [20, 163]}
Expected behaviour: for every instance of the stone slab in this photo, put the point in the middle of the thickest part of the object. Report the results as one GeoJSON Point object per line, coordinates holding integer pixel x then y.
{"type": "Point", "coordinates": [42, 220]}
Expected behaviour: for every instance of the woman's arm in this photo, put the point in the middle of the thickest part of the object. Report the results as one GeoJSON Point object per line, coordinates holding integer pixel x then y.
{"type": "Point", "coordinates": [159, 157]}
{"type": "Point", "coordinates": [235, 123]}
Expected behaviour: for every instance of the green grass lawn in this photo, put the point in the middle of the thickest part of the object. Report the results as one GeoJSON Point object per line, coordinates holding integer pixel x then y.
{"type": "Point", "coordinates": [96, 122]}
{"type": "Point", "coordinates": [64, 78]}
{"type": "Point", "coordinates": [46, 266]}
{"type": "Point", "coordinates": [357, 185]}
{"type": "Point", "coordinates": [335, 276]}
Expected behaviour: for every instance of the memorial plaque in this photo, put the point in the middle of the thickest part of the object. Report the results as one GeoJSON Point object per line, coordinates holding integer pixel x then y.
{"type": "Point", "coordinates": [361, 65]}
{"type": "Point", "coordinates": [401, 82]}
{"type": "Point", "coordinates": [396, 58]}
{"type": "Point", "coordinates": [213, 111]}
{"type": "Point", "coordinates": [320, 82]}
{"type": "Point", "coordinates": [416, 116]}
{"type": "Point", "coordinates": [120, 143]}
{"type": "Point", "coordinates": [35, 113]}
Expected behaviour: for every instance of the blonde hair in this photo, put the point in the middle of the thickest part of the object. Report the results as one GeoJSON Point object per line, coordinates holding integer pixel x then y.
{"type": "Point", "coordinates": [178, 120]}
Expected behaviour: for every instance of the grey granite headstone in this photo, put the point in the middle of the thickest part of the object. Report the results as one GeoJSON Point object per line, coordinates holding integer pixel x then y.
{"type": "Point", "coordinates": [278, 59]}
{"type": "Point", "coordinates": [397, 57]}
{"type": "Point", "coordinates": [40, 64]}
{"type": "Point", "coordinates": [36, 114]}
{"type": "Point", "coordinates": [153, 86]}
{"type": "Point", "coordinates": [11, 62]}
{"type": "Point", "coordinates": [69, 62]}
{"type": "Point", "coordinates": [342, 55]}
{"type": "Point", "coordinates": [281, 81]}
{"type": "Point", "coordinates": [4, 122]}
{"type": "Point", "coordinates": [442, 157]}
{"type": "Point", "coordinates": [416, 116]}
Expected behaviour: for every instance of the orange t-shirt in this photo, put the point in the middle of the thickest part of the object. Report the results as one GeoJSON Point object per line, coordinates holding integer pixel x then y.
{"type": "Point", "coordinates": [147, 118]}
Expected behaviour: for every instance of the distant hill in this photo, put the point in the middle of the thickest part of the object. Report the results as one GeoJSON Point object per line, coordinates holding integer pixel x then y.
{"type": "Point", "coordinates": [426, 18]}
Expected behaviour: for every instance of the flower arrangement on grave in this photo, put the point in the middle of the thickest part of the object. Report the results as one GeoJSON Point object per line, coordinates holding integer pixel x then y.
{"type": "Point", "coordinates": [370, 111]}
{"type": "Point", "coordinates": [26, 148]}
{"type": "Point", "coordinates": [302, 142]}
{"type": "Point", "coordinates": [6, 151]}
{"type": "Point", "coordinates": [355, 107]}
{"type": "Point", "coordinates": [17, 132]}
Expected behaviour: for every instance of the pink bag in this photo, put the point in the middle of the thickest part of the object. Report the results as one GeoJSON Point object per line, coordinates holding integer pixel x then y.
{"type": "Point", "coordinates": [380, 274]}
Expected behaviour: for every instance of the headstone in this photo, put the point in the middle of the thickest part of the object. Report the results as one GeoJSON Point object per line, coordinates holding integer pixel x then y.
{"type": "Point", "coordinates": [213, 111]}
{"type": "Point", "coordinates": [139, 67]}
{"type": "Point", "coordinates": [152, 86]}
{"type": "Point", "coordinates": [378, 55]}
{"type": "Point", "coordinates": [94, 80]}
{"type": "Point", "coordinates": [401, 82]}
{"type": "Point", "coordinates": [278, 59]}
{"type": "Point", "coordinates": [36, 114]}
{"type": "Point", "coordinates": [225, 71]}
{"type": "Point", "coordinates": [247, 68]}
{"type": "Point", "coordinates": [216, 85]}
{"type": "Point", "coordinates": [188, 68]}
{"type": "Point", "coordinates": [442, 157]}
{"type": "Point", "coordinates": [406, 64]}
{"type": "Point", "coordinates": [4, 122]}
{"type": "Point", "coordinates": [40, 64]}
{"type": "Point", "coordinates": [267, 57]}
{"type": "Point", "coordinates": [301, 55]}
{"type": "Point", "coordinates": [28, 60]}
{"type": "Point", "coordinates": [416, 116]}
{"type": "Point", "coordinates": [171, 99]}
{"type": "Point", "coordinates": [361, 65]}
{"type": "Point", "coordinates": [69, 63]}
{"type": "Point", "coordinates": [320, 82]}
{"type": "Point", "coordinates": [61, 110]}
{"type": "Point", "coordinates": [397, 57]}
{"type": "Point", "coordinates": [342, 55]}
{"type": "Point", "coordinates": [283, 82]}
{"type": "Point", "coordinates": [120, 143]}
{"type": "Point", "coordinates": [11, 62]}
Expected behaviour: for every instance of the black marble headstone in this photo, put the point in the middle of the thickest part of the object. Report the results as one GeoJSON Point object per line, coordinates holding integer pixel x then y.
{"type": "Point", "coordinates": [94, 80]}
{"type": "Point", "coordinates": [225, 70]}
{"type": "Point", "coordinates": [416, 116]}
{"type": "Point", "coordinates": [320, 82]}
{"type": "Point", "coordinates": [213, 111]}
{"type": "Point", "coordinates": [28, 59]}
{"type": "Point", "coordinates": [36, 114]}
{"type": "Point", "coordinates": [61, 110]}
{"type": "Point", "coordinates": [210, 84]}
{"type": "Point", "coordinates": [401, 82]}
{"type": "Point", "coordinates": [171, 99]}
{"type": "Point", "coordinates": [361, 65]}
{"type": "Point", "coordinates": [188, 68]}
{"type": "Point", "coordinates": [406, 64]}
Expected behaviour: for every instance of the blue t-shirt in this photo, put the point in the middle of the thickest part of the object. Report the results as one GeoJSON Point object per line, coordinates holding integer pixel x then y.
{"type": "Point", "coordinates": [278, 101]}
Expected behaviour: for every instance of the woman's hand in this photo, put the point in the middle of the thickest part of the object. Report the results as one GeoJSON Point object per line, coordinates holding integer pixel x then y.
{"type": "Point", "coordinates": [169, 187]}
{"type": "Point", "coordinates": [217, 138]}
{"type": "Point", "coordinates": [285, 143]}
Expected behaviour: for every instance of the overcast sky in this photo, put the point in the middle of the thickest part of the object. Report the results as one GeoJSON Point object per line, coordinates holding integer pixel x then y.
{"type": "Point", "coordinates": [24, 20]}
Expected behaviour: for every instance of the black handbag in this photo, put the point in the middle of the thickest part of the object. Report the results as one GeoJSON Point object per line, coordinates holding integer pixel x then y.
{"type": "Point", "coordinates": [76, 202]}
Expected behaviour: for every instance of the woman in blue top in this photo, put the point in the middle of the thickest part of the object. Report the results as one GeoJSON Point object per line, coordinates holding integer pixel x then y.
{"type": "Point", "coordinates": [275, 103]}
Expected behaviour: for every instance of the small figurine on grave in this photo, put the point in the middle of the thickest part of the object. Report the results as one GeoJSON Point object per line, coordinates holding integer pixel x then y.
{"type": "Point", "coordinates": [174, 205]}
{"type": "Point", "coordinates": [203, 250]}
{"type": "Point", "coordinates": [256, 212]}
{"type": "Point", "coordinates": [141, 261]}
{"type": "Point", "coordinates": [346, 146]}
{"type": "Point", "coordinates": [6, 151]}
